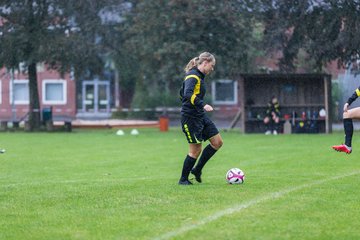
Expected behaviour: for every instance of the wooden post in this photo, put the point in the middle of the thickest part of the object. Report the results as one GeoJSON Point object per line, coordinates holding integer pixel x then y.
{"type": "Point", "coordinates": [236, 119]}
{"type": "Point", "coordinates": [241, 103]}
{"type": "Point", "coordinates": [3, 125]}
{"type": "Point", "coordinates": [327, 128]}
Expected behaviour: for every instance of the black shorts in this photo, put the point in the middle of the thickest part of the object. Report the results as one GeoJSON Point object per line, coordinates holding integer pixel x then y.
{"type": "Point", "coordinates": [269, 115]}
{"type": "Point", "coordinates": [198, 130]}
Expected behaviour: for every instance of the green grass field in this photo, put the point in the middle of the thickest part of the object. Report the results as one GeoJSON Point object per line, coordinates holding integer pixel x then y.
{"type": "Point", "coordinates": [97, 185]}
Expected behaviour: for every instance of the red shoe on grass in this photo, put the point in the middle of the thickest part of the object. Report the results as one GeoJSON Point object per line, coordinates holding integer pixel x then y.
{"type": "Point", "coordinates": [342, 148]}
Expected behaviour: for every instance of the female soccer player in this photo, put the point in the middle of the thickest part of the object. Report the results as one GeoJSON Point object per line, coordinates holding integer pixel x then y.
{"type": "Point", "coordinates": [272, 119]}
{"type": "Point", "coordinates": [195, 123]}
{"type": "Point", "coordinates": [348, 116]}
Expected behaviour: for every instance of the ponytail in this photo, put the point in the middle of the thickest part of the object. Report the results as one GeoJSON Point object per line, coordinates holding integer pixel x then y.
{"type": "Point", "coordinates": [193, 63]}
{"type": "Point", "coordinates": [196, 61]}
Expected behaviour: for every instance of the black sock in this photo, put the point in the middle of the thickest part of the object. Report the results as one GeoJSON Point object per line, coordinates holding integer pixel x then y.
{"type": "Point", "coordinates": [275, 126]}
{"type": "Point", "coordinates": [272, 124]}
{"type": "Point", "coordinates": [348, 128]}
{"type": "Point", "coordinates": [189, 163]}
{"type": "Point", "coordinates": [267, 127]}
{"type": "Point", "coordinates": [207, 153]}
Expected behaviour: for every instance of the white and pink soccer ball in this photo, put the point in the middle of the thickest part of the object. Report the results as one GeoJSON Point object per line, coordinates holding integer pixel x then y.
{"type": "Point", "coordinates": [235, 176]}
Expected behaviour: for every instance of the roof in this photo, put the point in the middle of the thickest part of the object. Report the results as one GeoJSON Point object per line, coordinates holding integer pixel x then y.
{"type": "Point", "coordinates": [286, 75]}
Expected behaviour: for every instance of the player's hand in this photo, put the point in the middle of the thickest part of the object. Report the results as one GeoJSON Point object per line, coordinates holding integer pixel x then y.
{"type": "Point", "coordinates": [346, 106]}
{"type": "Point", "coordinates": [273, 116]}
{"type": "Point", "coordinates": [208, 108]}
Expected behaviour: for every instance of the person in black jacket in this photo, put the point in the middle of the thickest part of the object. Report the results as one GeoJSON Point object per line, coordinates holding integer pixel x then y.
{"type": "Point", "coordinates": [348, 116]}
{"type": "Point", "coordinates": [196, 125]}
{"type": "Point", "coordinates": [272, 116]}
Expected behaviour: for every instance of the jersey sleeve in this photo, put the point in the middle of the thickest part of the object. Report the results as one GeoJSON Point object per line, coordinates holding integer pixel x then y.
{"type": "Point", "coordinates": [191, 89]}
{"type": "Point", "coordinates": [277, 108]}
{"type": "Point", "coordinates": [353, 97]}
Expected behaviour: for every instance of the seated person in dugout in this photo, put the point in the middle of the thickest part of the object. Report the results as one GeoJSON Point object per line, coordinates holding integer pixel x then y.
{"type": "Point", "coordinates": [272, 117]}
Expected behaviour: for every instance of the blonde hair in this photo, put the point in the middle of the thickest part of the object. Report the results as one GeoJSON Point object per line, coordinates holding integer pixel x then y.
{"type": "Point", "coordinates": [196, 61]}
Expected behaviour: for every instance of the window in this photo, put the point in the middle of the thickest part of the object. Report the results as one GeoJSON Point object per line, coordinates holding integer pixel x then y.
{"type": "Point", "coordinates": [54, 92]}
{"type": "Point", "coordinates": [19, 92]}
{"type": "Point", "coordinates": [224, 91]}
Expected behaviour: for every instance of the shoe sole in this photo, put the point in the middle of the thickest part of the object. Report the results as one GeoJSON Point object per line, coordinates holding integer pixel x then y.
{"type": "Point", "coordinates": [341, 151]}
{"type": "Point", "coordinates": [185, 183]}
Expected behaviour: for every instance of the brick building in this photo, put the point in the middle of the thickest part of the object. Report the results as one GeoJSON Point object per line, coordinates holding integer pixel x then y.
{"type": "Point", "coordinates": [55, 91]}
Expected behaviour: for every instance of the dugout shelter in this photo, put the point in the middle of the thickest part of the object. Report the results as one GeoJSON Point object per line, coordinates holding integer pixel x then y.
{"type": "Point", "coordinates": [305, 101]}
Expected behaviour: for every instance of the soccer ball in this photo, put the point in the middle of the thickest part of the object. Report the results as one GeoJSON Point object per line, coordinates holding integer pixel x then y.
{"type": "Point", "coordinates": [235, 176]}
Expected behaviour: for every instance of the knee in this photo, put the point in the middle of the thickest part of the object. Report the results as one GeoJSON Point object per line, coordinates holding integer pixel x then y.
{"type": "Point", "coordinates": [217, 144]}
{"type": "Point", "coordinates": [195, 154]}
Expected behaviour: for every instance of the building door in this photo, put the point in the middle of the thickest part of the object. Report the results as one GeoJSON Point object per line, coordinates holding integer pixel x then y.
{"type": "Point", "coordinates": [96, 97]}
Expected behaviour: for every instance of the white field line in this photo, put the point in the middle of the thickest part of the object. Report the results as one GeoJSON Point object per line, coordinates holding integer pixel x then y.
{"type": "Point", "coordinates": [114, 180]}
{"type": "Point", "coordinates": [250, 203]}
{"type": "Point", "coordinates": [15, 184]}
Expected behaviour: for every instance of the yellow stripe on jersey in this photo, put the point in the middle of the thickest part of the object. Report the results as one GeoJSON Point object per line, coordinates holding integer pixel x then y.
{"type": "Point", "coordinates": [197, 141]}
{"type": "Point", "coordinates": [187, 132]}
{"type": "Point", "coordinates": [196, 89]}
{"type": "Point", "coordinates": [357, 92]}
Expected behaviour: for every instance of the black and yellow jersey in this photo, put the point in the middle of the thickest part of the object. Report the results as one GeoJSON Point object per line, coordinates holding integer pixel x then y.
{"type": "Point", "coordinates": [192, 94]}
{"type": "Point", "coordinates": [353, 97]}
{"type": "Point", "coordinates": [273, 108]}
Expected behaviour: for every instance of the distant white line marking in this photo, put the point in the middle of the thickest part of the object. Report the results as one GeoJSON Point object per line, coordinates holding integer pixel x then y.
{"type": "Point", "coordinates": [15, 184]}
{"type": "Point", "coordinates": [69, 181]}
{"type": "Point", "coordinates": [238, 208]}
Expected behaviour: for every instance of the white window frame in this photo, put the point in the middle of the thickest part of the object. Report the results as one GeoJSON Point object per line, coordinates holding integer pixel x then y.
{"type": "Point", "coordinates": [57, 81]}
{"type": "Point", "coordinates": [213, 88]}
{"type": "Point", "coordinates": [17, 102]}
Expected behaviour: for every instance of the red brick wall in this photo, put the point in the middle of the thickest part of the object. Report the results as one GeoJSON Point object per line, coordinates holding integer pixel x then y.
{"type": "Point", "coordinates": [67, 109]}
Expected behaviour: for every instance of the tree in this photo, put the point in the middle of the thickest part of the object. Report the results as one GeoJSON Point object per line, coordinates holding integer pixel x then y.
{"type": "Point", "coordinates": [326, 30]}
{"type": "Point", "coordinates": [164, 35]}
{"type": "Point", "coordinates": [114, 36]}
{"type": "Point", "coordinates": [62, 34]}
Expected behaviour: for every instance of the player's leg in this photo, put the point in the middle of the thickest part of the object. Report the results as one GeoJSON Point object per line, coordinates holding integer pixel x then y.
{"type": "Point", "coordinates": [189, 162]}
{"type": "Point", "coordinates": [276, 121]}
{"type": "Point", "coordinates": [210, 132]}
{"type": "Point", "coordinates": [348, 129]}
{"type": "Point", "coordinates": [192, 130]}
{"type": "Point", "coordinates": [267, 125]}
